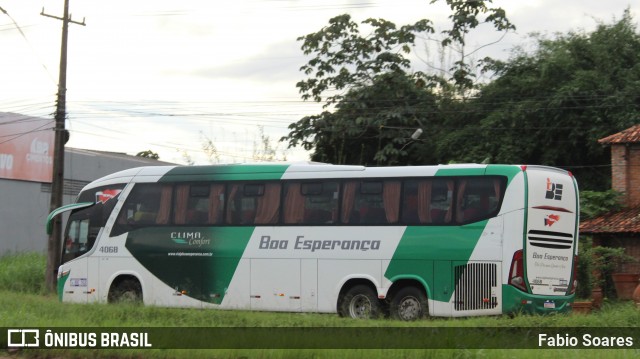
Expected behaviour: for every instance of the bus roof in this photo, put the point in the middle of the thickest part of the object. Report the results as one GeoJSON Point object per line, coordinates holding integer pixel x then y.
{"type": "Point", "coordinates": [298, 170]}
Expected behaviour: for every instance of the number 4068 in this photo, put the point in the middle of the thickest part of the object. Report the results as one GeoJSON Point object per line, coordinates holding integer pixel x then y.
{"type": "Point", "coordinates": [108, 249]}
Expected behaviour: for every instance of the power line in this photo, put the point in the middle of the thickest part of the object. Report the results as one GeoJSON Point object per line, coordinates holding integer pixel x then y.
{"type": "Point", "coordinates": [21, 134]}
{"type": "Point", "coordinates": [28, 43]}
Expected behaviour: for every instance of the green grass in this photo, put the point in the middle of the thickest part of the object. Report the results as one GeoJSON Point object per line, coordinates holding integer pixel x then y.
{"type": "Point", "coordinates": [22, 273]}
{"type": "Point", "coordinates": [20, 309]}
{"type": "Point", "coordinates": [23, 304]}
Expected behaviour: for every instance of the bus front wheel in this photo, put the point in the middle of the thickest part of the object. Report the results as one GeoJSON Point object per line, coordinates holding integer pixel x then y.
{"type": "Point", "coordinates": [360, 302]}
{"type": "Point", "coordinates": [410, 303]}
{"type": "Point", "coordinates": [127, 290]}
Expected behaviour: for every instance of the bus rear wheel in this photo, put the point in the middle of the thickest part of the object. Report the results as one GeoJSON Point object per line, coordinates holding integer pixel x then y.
{"type": "Point", "coordinates": [360, 302]}
{"type": "Point", "coordinates": [127, 290]}
{"type": "Point", "coordinates": [408, 304]}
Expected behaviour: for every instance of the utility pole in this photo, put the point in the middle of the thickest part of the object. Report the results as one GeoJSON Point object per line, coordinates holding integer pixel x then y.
{"type": "Point", "coordinates": [54, 244]}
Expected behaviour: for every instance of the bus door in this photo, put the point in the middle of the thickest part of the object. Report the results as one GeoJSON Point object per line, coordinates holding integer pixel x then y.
{"type": "Point", "coordinates": [79, 237]}
{"type": "Point", "coordinates": [78, 274]}
{"type": "Point", "coordinates": [550, 231]}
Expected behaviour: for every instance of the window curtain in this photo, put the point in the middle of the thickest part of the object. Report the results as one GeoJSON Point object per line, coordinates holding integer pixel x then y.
{"type": "Point", "coordinates": [462, 185]}
{"type": "Point", "coordinates": [497, 189]}
{"type": "Point", "coordinates": [391, 200]}
{"type": "Point", "coordinates": [216, 203]}
{"type": "Point", "coordinates": [424, 201]}
{"type": "Point", "coordinates": [231, 207]}
{"type": "Point", "coordinates": [348, 198]}
{"type": "Point", "coordinates": [268, 204]}
{"type": "Point", "coordinates": [294, 204]}
{"type": "Point", "coordinates": [182, 200]}
{"type": "Point", "coordinates": [165, 205]}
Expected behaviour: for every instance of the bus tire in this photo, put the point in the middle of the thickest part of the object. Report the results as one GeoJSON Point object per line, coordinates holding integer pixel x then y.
{"type": "Point", "coordinates": [360, 302]}
{"type": "Point", "coordinates": [127, 290]}
{"type": "Point", "coordinates": [408, 304]}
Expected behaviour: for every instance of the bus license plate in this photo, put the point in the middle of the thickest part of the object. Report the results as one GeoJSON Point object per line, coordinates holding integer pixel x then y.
{"type": "Point", "coordinates": [550, 305]}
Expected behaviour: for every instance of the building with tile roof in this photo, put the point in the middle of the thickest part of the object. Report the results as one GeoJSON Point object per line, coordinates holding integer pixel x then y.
{"type": "Point", "coordinates": [621, 228]}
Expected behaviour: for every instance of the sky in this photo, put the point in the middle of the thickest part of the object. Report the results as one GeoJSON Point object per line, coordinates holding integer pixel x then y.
{"type": "Point", "coordinates": [174, 76]}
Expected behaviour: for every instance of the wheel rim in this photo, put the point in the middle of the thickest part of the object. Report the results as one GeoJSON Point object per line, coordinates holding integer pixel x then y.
{"type": "Point", "coordinates": [360, 307]}
{"type": "Point", "coordinates": [409, 308]}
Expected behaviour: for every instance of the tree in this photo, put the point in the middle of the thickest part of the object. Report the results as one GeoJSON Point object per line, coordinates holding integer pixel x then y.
{"type": "Point", "coordinates": [351, 72]}
{"type": "Point", "coordinates": [148, 154]}
{"type": "Point", "coordinates": [550, 107]}
{"type": "Point", "coordinates": [464, 18]}
{"type": "Point", "coordinates": [364, 77]}
{"type": "Point", "coordinates": [371, 125]}
{"type": "Point", "coordinates": [345, 59]}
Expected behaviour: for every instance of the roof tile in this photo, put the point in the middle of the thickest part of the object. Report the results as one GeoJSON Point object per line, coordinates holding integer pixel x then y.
{"type": "Point", "coordinates": [624, 221]}
{"type": "Point", "coordinates": [630, 135]}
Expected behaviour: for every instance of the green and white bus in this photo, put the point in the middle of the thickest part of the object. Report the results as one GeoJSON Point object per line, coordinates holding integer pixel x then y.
{"type": "Point", "coordinates": [448, 240]}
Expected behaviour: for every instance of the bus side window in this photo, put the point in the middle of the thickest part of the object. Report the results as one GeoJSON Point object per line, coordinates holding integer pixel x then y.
{"type": "Point", "coordinates": [146, 205]}
{"type": "Point", "coordinates": [311, 202]}
{"type": "Point", "coordinates": [477, 198]}
{"type": "Point", "coordinates": [371, 202]}
{"type": "Point", "coordinates": [198, 204]}
{"type": "Point", "coordinates": [253, 203]}
{"type": "Point", "coordinates": [441, 207]}
{"type": "Point", "coordinates": [427, 201]}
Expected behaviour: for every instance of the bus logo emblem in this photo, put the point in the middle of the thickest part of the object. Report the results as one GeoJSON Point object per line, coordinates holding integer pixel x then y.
{"type": "Point", "coordinates": [551, 219]}
{"type": "Point", "coordinates": [107, 194]}
{"type": "Point", "coordinates": [554, 190]}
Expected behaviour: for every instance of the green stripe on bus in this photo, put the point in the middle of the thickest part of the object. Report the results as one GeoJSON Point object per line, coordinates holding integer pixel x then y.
{"type": "Point", "coordinates": [197, 262]}
{"type": "Point", "coordinates": [475, 171]}
{"type": "Point", "coordinates": [426, 250]}
{"type": "Point", "coordinates": [505, 170]}
{"type": "Point", "coordinates": [61, 282]}
{"type": "Point", "coordinates": [224, 173]}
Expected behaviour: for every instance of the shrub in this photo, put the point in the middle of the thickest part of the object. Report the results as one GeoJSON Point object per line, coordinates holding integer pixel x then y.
{"type": "Point", "coordinates": [595, 266]}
